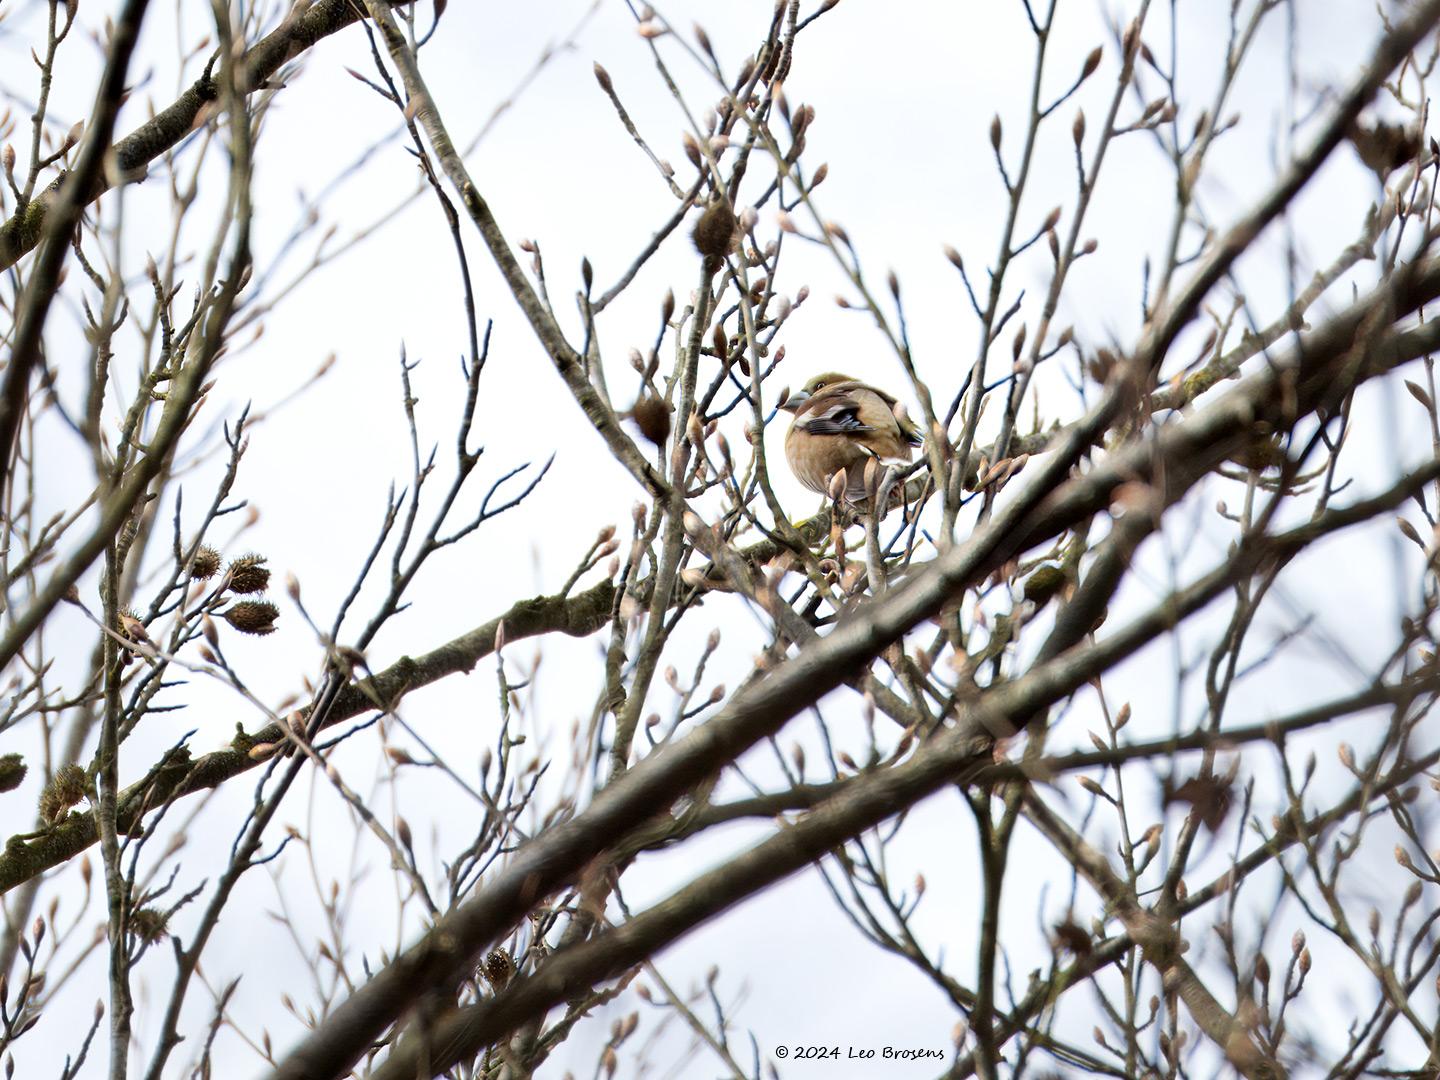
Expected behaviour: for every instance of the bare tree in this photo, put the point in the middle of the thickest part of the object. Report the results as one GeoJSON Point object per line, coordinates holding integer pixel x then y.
{"type": "Point", "coordinates": [1101, 611]}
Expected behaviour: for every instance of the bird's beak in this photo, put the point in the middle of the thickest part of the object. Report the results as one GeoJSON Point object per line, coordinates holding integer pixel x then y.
{"type": "Point", "coordinates": [793, 401]}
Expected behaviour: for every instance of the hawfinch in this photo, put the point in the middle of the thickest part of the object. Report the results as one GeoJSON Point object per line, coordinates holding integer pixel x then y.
{"type": "Point", "coordinates": [841, 423]}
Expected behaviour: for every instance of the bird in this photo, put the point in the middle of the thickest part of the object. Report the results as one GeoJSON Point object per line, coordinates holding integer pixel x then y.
{"type": "Point", "coordinates": [841, 424]}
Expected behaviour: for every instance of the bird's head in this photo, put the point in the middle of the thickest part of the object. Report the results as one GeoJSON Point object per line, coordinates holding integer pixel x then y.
{"type": "Point", "coordinates": [794, 401]}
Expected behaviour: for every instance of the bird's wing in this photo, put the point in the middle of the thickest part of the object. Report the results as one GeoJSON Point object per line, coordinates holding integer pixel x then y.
{"type": "Point", "coordinates": [840, 416]}
{"type": "Point", "coordinates": [907, 428]}
{"type": "Point", "coordinates": [863, 412]}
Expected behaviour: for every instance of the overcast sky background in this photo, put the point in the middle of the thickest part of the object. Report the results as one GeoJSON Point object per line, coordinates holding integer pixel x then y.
{"type": "Point", "coordinates": [904, 98]}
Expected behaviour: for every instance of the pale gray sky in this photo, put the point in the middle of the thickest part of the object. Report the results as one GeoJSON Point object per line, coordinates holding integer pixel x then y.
{"type": "Point", "coordinates": [904, 96]}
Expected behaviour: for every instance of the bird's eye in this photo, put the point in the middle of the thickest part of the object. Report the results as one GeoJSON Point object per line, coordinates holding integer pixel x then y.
{"type": "Point", "coordinates": [820, 385]}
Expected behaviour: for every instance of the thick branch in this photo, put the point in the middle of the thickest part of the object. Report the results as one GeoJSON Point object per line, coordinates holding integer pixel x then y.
{"type": "Point", "coordinates": [68, 196]}
{"type": "Point", "coordinates": [26, 856]}
{"type": "Point", "coordinates": [1172, 461]}
{"type": "Point", "coordinates": [135, 151]}
{"type": "Point", "coordinates": [958, 756]}
{"type": "Point", "coordinates": [1389, 52]}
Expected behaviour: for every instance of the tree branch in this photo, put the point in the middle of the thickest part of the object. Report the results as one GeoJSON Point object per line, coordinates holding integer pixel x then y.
{"type": "Point", "coordinates": [134, 152]}
{"type": "Point", "coordinates": [25, 857]}
{"type": "Point", "coordinates": [1174, 460]}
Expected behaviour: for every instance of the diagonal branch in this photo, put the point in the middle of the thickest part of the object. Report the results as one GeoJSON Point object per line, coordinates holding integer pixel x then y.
{"type": "Point", "coordinates": [25, 857]}
{"type": "Point", "coordinates": [958, 756]}
{"type": "Point", "coordinates": [20, 234]}
{"type": "Point", "coordinates": [1178, 456]}
{"type": "Point", "coordinates": [562, 354]}
{"type": "Point", "coordinates": [1389, 52]}
{"type": "Point", "coordinates": [1160, 941]}
{"type": "Point", "coordinates": [68, 196]}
